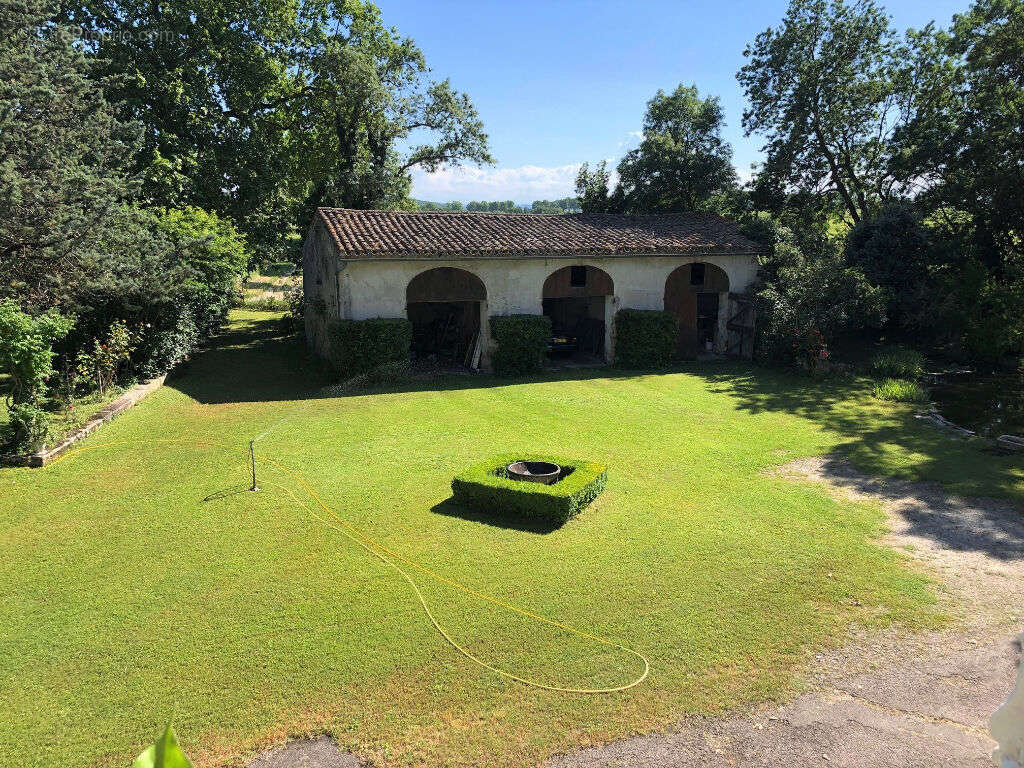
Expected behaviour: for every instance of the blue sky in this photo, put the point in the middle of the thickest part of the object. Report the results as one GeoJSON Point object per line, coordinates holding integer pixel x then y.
{"type": "Point", "coordinates": [559, 82]}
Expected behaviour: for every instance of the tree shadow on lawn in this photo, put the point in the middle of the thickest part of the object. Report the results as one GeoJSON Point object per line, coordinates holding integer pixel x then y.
{"type": "Point", "coordinates": [892, 442]}
{"type": "Point", "coordinates": [251, 361]}
{"type": "Point", "coordinates": [499, 519]}
{"type": "Point", "coordinates": [254, 361]}
{"type": "Point", "coordinates": [990, 526]}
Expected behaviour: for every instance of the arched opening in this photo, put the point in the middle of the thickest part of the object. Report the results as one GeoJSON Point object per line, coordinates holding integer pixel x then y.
{"type": "Point", "coordinates": [695, 293]}
{"type": "Point", "coordinates": [578, 300]}
{"type": "Point", "coordinates": [445, 306]}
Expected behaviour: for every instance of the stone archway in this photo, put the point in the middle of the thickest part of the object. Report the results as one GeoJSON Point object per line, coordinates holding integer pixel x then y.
{"type": "Point", "coordinates": [578, 299]}
{"type": "Point", "coordinates": [697, 294]}
{"type": "Point", "coordinates": [446, 307]}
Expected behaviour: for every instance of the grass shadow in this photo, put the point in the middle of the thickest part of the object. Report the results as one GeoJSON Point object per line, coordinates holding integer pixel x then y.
{"type": "Point", "coordinates": [224, 493]}
{"type": "Point", "coordinates": [888, 441]}
{"type": "Point", "coordinates": [253, 360]}
{"type": "Point", "coordinates": [498, 519]}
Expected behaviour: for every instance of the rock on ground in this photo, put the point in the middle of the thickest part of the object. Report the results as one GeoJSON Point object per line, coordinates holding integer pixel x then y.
{"type": "Point", "coordinates": [306, 753]}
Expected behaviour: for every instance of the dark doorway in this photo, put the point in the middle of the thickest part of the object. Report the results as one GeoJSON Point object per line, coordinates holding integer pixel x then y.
{"type": "Point", "coordinates": [707, 319]}
{"type": "Point", "coordinates": [444, 331]}
{"type": "Point", "coordinates": [577, 324]}
{"type": "Point", "coordinates": [576, 298]}
{"type": "Point", "coordinates": [693, 294]}
{"type": "Point", "coordinates": [444, 306]}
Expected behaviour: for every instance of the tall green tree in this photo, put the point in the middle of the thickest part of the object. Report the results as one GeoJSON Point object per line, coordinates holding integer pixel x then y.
{"type": "Point", "coordinates": [827, 89]}
{"type": "Point", "coordinates": [364, 91]}
{"type": "Point", "coordinates": [683, 162]}
{"type": "Point", "coordinates": [965, 143]}
{"type": "Point", "coordinates": [261, 110]}
{"type": "Point", "coordinates": [62, 155]}
{"type": "Point", "coordinates": [592, 189]}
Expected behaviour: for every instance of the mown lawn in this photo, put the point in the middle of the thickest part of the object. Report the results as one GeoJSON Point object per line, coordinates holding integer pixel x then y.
{"type": "Point", "coordinates": [139, 580]}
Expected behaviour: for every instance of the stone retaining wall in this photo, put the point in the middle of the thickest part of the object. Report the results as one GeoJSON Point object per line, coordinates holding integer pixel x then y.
{"type": "Point", "coordinates": [101, 417]}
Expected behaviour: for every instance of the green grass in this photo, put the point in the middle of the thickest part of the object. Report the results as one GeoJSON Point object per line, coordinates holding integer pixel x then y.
{"type": "Point", "coordinates": [269, 291]}
{"type": "Point", "coordinates": [900, 391]}
{"type": "Point", "coordinates": [897, 363]}
{"type": "Point", "coordinates": [141, 579]}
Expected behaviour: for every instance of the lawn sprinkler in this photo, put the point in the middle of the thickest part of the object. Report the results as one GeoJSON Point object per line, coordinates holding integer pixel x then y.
{"type": "Point", "coordinates": [252, 463]}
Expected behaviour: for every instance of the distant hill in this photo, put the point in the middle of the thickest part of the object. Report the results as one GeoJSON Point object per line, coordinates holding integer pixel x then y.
{"type": "Point", "coordinates": [564, 205]}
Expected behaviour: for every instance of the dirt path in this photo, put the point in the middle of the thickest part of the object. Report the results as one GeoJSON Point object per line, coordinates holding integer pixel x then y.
{"type": "Point", "coordinates": [886, 699]}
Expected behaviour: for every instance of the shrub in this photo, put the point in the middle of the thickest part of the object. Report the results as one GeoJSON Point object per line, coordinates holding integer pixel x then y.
{"type": "Point", "coordinates": [521, 343]}
{"type": "Point", "coordinates": [900, 391]}
{"type": "Point", "coordinates": [485, 488]}
{"type": "Point", "coordinates": [893, 250]}
{"type": "Point", "coordinates": [358, 346]}
{"type": "Point", "coordinates": [26, 429]}
{"type": "Point", "coordinates": [808, 347]}
{"type": "Point", "coordinates": [169, 275]}
{"type": "Point", "coordinates": [897, 363]}
{"type": "Point", "coordinates": [991, 312]}
{"type": "Point", "coordinates": [292, 320]}
{"type": "Point", "coordinates": [102, 366]}
{"type": "Point", "coordinates": [645, 338]}
{"type": "Point", "coordinates": [26, 349]}
{"type": "Point", "coordinates": [806, 286]}
{"type": "Point", "coordinates": [210, 246]}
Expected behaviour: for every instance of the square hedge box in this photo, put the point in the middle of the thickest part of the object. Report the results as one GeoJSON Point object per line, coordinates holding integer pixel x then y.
{"type": "Point", "coordinates": [486, 488]}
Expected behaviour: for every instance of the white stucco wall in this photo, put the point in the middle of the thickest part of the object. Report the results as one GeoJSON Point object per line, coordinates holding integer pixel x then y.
{"type": "Point", "coordinates": [368, 288]}
{"type": "Point", "coordinates": [377, 288]}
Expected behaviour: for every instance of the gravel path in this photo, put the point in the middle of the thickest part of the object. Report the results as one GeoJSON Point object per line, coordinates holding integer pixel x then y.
{"type": "Point", "coordinates": [886, 699]}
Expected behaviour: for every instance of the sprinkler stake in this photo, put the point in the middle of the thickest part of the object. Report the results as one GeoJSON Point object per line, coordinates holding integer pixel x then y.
{"type": "Point", "coordinates": [252, 462]}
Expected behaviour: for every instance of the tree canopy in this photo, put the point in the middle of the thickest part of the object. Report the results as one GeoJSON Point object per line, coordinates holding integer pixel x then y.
{"type": "Point", "coordinates": [827, 89]}
{"type": "Point", "coordinates": [263, 109]}
{"type": "Point", "coordinates": [62, 155]}
{"type": "Point", "coordinates": [965, 144]}
{"type": "Point", "coordinates": [682, 161]}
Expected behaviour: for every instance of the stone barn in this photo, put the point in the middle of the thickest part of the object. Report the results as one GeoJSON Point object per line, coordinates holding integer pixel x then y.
{"type": "Point", "coordinates": [449, 272]}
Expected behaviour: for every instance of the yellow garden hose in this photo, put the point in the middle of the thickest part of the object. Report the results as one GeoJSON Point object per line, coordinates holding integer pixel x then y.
{"type": "Point", "coordinates": [392, 559]}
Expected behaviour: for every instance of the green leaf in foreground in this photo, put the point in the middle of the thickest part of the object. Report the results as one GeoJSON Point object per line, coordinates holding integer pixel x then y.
{"type": "Point", "coordinates": [163, 753]}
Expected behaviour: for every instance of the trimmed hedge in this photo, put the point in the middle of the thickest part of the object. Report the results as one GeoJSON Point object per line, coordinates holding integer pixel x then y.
{"type": "Point", "coordinates": [521, 343]}
{"type": "Point", "coordinates": [645, 338]}
{"type": "Point", "coordinates": [358, 346]}
{"type": "Point", "coordinates": [485, 487]}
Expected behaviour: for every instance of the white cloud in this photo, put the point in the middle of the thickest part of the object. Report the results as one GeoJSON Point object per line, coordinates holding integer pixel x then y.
{"type": "Point", "coordinates": [631, 139]}
{"type": "Point", "coordinates": [523, 184]}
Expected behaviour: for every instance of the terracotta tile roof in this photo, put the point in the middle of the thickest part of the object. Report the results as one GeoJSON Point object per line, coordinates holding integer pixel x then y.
{"type": "Point", "coordinates": [398, 234]}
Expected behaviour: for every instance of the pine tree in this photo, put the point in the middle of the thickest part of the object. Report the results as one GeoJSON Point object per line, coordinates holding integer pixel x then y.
{"type": "Point", "coordinates": [62, 155]}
